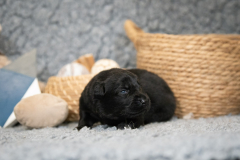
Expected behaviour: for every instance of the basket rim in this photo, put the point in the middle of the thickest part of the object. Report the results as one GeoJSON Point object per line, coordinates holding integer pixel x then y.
{"type": "Point", "coordinates": [134, 32]}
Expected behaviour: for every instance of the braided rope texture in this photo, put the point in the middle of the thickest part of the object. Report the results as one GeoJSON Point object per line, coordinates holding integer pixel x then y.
{"type": "Point", "coordinates": [69, 89]}
{"type": "Point", "coordinates": [202, 70]}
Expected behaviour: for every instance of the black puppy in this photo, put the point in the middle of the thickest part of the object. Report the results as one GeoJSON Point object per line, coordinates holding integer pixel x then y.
{"type": "Point", "coordinates": [122, 98]}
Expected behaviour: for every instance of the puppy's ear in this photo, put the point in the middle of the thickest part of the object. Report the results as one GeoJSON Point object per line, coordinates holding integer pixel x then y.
{"type": "Point", "coordinates": [99, 90]}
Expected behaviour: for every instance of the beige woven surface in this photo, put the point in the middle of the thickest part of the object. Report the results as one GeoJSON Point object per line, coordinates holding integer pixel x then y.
{"type": "Point", "coordinates": [202, 70]}
{"type": "Point", "coordinates": [69, 89]}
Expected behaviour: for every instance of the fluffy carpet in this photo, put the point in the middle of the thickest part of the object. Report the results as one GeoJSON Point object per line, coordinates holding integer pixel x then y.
{"type": "Point", "coordinates": [211, 138]}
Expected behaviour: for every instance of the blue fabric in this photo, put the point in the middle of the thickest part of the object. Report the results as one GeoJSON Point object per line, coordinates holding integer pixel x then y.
{"type": "Point", "coordinates": [13, 86]}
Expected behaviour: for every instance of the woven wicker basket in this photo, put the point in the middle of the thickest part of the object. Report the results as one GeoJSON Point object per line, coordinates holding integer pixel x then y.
{"type": "Point", "coordinates": [69, 89]}
{"type": "Point", "coordinates": [202, 70]}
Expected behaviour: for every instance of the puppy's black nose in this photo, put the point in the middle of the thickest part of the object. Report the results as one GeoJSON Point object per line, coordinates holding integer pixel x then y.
{"type": "Point", "coordinates": [142, 101]}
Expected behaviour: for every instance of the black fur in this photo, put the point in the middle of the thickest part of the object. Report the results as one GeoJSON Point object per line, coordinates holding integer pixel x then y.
{"type": "Point", "coordinates": [121, 98]}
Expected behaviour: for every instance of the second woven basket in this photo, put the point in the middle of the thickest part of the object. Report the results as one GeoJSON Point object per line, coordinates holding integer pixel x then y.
{"type": "Point", "coordinates": [202, 70]}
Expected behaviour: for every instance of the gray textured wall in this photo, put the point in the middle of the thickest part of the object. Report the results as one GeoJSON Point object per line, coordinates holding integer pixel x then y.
{"type": "Point", "coordinates": [61, 31]}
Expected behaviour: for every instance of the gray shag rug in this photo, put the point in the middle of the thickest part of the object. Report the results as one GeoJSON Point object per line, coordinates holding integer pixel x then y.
{"type": "Point", "coordinates": [210, 138]}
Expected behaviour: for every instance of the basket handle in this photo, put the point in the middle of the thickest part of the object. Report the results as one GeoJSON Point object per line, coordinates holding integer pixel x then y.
{"type": "Point", "coordinates": [132, 30]}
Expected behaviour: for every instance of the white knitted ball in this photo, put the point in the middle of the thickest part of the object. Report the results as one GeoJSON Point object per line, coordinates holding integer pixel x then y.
{"type": "Point", "coordinates": [103, 64]}
{"type": "Point", "coordinates": [72, 69]}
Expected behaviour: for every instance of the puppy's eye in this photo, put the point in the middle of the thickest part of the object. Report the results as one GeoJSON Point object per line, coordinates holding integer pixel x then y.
{"type": "Point", "coordinates": [124, 91]}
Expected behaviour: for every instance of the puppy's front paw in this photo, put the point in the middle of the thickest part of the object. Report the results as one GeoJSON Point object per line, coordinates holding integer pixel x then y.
{"type": "Point", "coordinates": [125, 125]}
{"type": "Point", "coordinates": [79, 127]}
{"type": "Point", "coordinates": [132, 125]}
{"type": "Point", "coordinates": [121, 126]}
{"type": "Point", "coordinates": [81, 124]}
